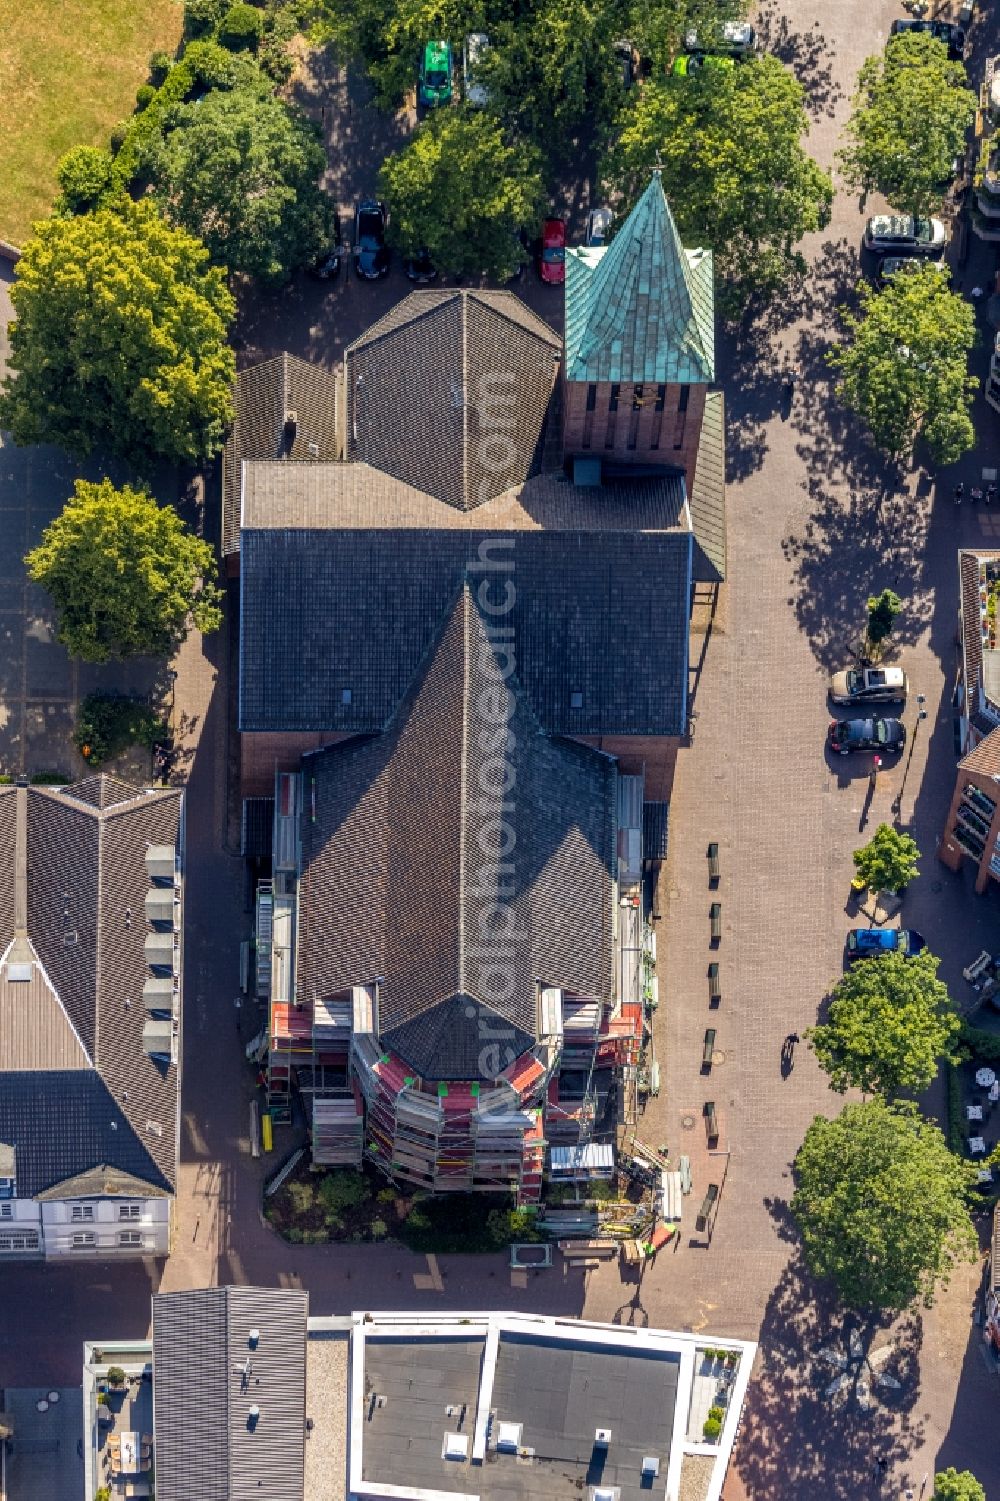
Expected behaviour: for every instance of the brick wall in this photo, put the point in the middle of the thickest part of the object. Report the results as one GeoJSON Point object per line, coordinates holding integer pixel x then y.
{"type": "Point", "coordinates": [950, 852]}
{"type": "Point", "coordinates": [643, 427]}
{"type": "Point", "coordinates": [655, 755]}
{"type": "Point", "coordinates": [261, 755]}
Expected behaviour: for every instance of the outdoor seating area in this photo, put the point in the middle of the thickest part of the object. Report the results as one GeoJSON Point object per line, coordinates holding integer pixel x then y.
{"type": "Point", "coordinates": [125, 1435]}
{"type": "Point", "coordinates": [980, 1116]}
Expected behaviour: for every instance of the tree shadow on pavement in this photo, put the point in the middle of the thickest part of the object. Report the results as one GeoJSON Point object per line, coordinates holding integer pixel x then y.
{"type": "Point", "coordinates": [798, 1438]}
{"type": "Point", "coordinates": [809, 56]}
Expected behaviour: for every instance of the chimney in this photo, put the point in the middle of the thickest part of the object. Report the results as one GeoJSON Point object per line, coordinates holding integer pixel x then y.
{"type": "Point", "coordinates": [289, 430]}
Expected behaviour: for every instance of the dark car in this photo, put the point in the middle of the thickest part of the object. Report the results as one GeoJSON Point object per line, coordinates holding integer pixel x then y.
{"type": "Point", "coordinates": [371, 257]}
{"type": "Point", "coordinates": [523, 245]}
{"type": "Point", "coordinates": [946, 31]}
{"type": "Point", "coordinates": [326, 266]}
{"type": "Point", "coordinates": [849, 735]}
{"type": "Point", "coordinates": [420, 268]}
{"type": "Point", "coordinates": [870, 943]}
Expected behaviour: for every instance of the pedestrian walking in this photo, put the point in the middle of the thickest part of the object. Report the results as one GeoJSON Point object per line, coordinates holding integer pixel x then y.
{"type": "Point", "coordinates": [959, 492]}
{"type": "Point", "coordinates": [976, 293]}
{"type": "Point", "coordinates": [975, 493]}
{"type": "Point", "coordinates": [991, 493]}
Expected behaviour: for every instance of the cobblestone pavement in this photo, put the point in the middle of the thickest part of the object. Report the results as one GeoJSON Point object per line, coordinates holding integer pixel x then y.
{"type": "Point", "coordinates": [815, 525]}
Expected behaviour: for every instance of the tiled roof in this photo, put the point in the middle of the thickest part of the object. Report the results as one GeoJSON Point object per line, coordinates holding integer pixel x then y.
{"type": "Point", "coordinates": [8, 823]}
{"type": "Point", "coordinates": [450, 393]}
{"type": "Point", "coordinates": [398, 876]}
{"type": "Point", "coordinates": [985, 757]}
{"type": "Point", "coordinates": [264, 394]}
{"type": "Point", "coordinates": [82, 1010]}
{"type": "Point", "coordinates": [334, 624]}
{"type": "Point", "coordinates": [66, 1122]}
{"type": "Point", "coordinates": [641, 310]}
{"type": "Point", "coordinates": [355, 496]}
{"type": "Point", "coordinates": [708, 493]}
{"type": "Point", "coordinates": [257, 828]}
{"type": "Point", "coordinates": [208, 1373]}
{"type": "Point", "coordinates": [972, 629]}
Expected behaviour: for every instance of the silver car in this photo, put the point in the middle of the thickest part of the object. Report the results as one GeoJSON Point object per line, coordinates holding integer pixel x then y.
{"type": "Point", "coordinates": [902, 234]}
{"type": "Point", "coordinates": [869, 685]}
{"type": "Point", "coordinates": [477, 44]}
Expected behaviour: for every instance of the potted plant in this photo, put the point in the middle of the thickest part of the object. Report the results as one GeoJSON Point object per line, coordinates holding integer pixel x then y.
{"type": "Point", "coordinates": [712, 1426]}
{"type": "Point", "coordinates": [116, 1378]}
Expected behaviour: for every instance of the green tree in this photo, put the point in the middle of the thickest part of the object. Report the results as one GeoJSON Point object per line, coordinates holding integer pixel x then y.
{"type": "Point", "coordinates": [891, 1021]}
{"type": "Point", "coordinates": [957, 1485]}
{"type": "Point", "coordinates": [460, 190]}
{"type": "Point", "coordinates": [119, 339]}
{"type": "Point", "coordinates": [881, 1204]}
{"type": "Point", "coordinates": [888, 862]}
{"type": "Point", "coordinates": [882, 611]}
{"type": "Point", "coordinates": [241, 170]}
{"type": "Point", "coordinates": [911, 111]}
{"type": "Point", "coordinates": [124, 574]}
{"type": "Point", "coordinates": [734, 168]}
{"type": "Point", "coordinates": [660, 31]}
{"type": "Point", "coordinates": [904, 365]}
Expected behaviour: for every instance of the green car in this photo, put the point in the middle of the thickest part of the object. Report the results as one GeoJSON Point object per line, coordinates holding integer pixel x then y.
{"type": "Point", "coordinates": [435, 75]}
{"type": "Point", "coordinates": [692, 62]}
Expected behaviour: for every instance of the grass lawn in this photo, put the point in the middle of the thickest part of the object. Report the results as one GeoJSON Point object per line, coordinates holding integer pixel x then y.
{"type": "Point", "coordinates": [69, 70]}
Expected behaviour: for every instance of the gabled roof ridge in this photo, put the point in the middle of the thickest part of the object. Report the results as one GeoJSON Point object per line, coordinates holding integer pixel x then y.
{"type": "Point", "coordinates": [463, 766]}
{"type": "Point", "coordinates": [431, 299]}
{"type": "Point", "coordinates": [501, 302]}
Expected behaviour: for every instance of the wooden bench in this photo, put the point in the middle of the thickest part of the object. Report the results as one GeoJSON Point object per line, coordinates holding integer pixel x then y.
{"type": "Point", "coordinates": [714, 988]}
{"type": "Point", "coordinates": [707, 1205]}
{"type": "Point", "coordinates": [711, 1121]}
{"type": "Point", "coordinates": [714, 870]}
{"type": "Point", "coordinates": [708, 1048]}
{"type": "Point", "coordinates": [715, 918]}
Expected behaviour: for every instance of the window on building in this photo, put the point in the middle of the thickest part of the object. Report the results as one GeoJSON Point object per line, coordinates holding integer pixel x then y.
{"type": "Point", "coordinates": [83, 1238]}
{"type": "Point", "coordinates": [661, 396]}
{"type": "Point", "coordinates": [6, 1211]}
{"type": "Point", "coordinates": [82, 1212]}
{"type": "Point", "coordinates": [130, 1238]}
{"type": "Point", "coordinates": [129, 1211]}
{"type": "Point", "coordinates": [613, 399]}
{"type": "Point", "coordinates": [591, 398]}
{"type": "Point", "coordinates": [19, 1240]}
{"type": "Point", "coordinates": [682, 399]}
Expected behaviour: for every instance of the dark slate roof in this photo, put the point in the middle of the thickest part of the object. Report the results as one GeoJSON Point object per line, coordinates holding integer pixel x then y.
{"type": "Point", "coordinates": [206, 1378]}
{"type": "Point", "coordinates": [264, 394]}
{"type": "Point", "coordinates": [86, 928]}
{"type": "Point", "coordinates": [655, 830]}
{"type": "Point", "coordinates": [451, 392]}
{"type": "Point", "coordinates": [66, 1122]}
{"type": "Point", "coordinates": [257, 828]}
{"type": "Point", "coordinates": [8, 820]}
{"type": "Point", "coordinates": [708, 493]}
{"type": "Point", "coordinates": [324, 613]}
{"type": "Point", "coordinates": [395, 883]}
{"type": "Point", "coordinates": [641, 310]}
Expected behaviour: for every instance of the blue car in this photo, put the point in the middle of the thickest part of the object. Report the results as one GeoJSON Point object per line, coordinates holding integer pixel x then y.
{"type": "Point", "coordinates": [869, 943]}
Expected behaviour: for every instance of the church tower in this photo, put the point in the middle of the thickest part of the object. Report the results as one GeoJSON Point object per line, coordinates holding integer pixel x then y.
{"type": "Point", "coordinates": [639, 344]}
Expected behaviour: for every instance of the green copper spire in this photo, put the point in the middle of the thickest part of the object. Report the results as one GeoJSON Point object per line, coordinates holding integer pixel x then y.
{"type": "Point", "coordinates": [641, 310]}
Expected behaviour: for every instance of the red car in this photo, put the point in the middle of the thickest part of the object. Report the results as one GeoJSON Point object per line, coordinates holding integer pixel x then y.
{"type": "Point", "coordinates": [551, 255]}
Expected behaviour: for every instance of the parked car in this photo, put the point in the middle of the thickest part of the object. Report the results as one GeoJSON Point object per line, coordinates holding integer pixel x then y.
{"type": "Point", "coordinates": [523, 245]}
{"type": "Point", "coordinates": [901, 234]}
{"type": "Point", "coordinates": [870, 943]}
{"type": "Point", "coordinates": [946, 31]}
{"type": "Point", "coordinates": [420, 268]}
{"type": "Point", "coordinates": [371, 256]}
{"type": "Point", "coordinates": [738, 37]}
{"type": "Point", "coordinates": [551, 255]}
{"type": "Point", "coordinates": [869, 685]}
{"type": "Point", "coordinates": [897, 265]}
{"type": "Point", "coordinates": [628, 57]}
{"type": "Point", "coordinates": [326, 266]}
{"type": "Point", "coordinates": [477, 44]}
{"type": "Point", "coordinates": [435, 85]}
{"type": "Point", "coordinates": [598, 223]}
{"type": "Point", "coordinates": [691, 62]}
{"type": "Point", "coordinates": [849, 735]}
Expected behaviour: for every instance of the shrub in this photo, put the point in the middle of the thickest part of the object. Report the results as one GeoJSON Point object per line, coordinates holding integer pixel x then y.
{"type": "Point", "coordinates": [102, 1493]}
{"type": "Point", "coordinates": [5, 779]}
{"type": "Point", "coordinates": [314, 1237]}
{"type": "Point", "coordinates": [711, 1429]}
{"type": "Point", "coordinates": [84, 175]}
{"type": "Point", "coordinates": [144, 96]}
{"type": "Point", "coordinates": [295, 1235]}
{"type": "Point", "coordinates": [301, 1197]}
{"type": "Point", "coordinates": [160, 64]}
{"type": "Point", "coordinates": [241, 30]}
{"type": "Point", "coordinates": [116, 139]}
{"type": "Point", "coordinates": [107, 723]}
{"type": "Point", "coordinates": [956, 1110]}
{"type": "Point", "coordinates": [387, 1196]}
{"type": "Point", "coordinates": [116, 1376]}
{"type": "Point", "coordinates": [49, 779]}
{"type": "Point", "coordinates": [342, 1190]}
{"type": "Point", "coordinates": [379, 1229]}
{"type": "Point", "coordinates": [717, 1412]}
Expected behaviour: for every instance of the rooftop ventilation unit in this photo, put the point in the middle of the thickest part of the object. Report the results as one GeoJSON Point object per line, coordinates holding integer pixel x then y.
{"type": "Point", "coordinates": [650, 1465]}
{"type": "Point", "coordinates": [156, 1037]}
{"type": "Point", "coordinates": [19, 974]}
{"type": "Point", "coordinates": [509, 1437]}
{"type": "Point", "coordinates": [602, 1438]}
{"type": "Point", "coordinates": [455, 1446]}
{"type": "Point", "coordinates": [160, 862]}
{"type": "Point", "coordinates": [604, 1493]}
{"type": "Point", "coordinates": [253, 1339]}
